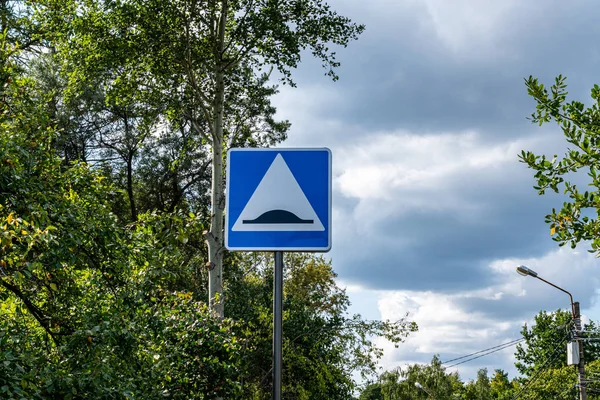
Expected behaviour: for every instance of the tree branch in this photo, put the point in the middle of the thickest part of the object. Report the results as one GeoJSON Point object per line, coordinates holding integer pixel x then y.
{"type": "Point", "coordinates": [35, 311]}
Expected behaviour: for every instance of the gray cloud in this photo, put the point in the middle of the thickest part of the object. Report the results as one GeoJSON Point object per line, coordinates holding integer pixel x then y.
{"type": "Point", "coordinates": [404, 73]}
{"type": "Point", "coordinates": [425, 125]}
{"type": "Point", "coordinates": [439, 232]}
{"type": "Point", "coordinates": [403, 76]}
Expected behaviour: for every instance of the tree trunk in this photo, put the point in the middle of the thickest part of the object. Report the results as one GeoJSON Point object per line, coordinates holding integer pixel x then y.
{"type": "Point", "coordinates": [130, 187]}
{"type": "Point", "coordinates": [215, 235]}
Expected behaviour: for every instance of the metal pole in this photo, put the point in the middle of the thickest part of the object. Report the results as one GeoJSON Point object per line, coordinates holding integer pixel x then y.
{"type": "Point", "coordinates": [277, 324]}
{"type": "Point", "coordinates": [576, 319]}
{"type": "Point", "coordinates": [562, 290]}
{"type": "Point", "coordinates": [581, 367]}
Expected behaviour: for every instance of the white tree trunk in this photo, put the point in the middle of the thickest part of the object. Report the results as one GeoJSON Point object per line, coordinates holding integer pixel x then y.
{"type": "Point", "coordinates": [215, 237]}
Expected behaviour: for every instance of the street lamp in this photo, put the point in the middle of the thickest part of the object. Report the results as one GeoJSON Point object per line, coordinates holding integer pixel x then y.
{"type": "Point", "coordinates": [417, 384]}
{"type": "Point", "coordinates": [523, 270]}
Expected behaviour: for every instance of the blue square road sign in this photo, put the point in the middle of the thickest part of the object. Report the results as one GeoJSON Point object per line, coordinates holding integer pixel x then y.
{"type": "Point", "coordinates": [278, 200]}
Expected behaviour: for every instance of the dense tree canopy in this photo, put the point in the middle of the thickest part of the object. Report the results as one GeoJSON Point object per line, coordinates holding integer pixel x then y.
{"type": "Point", "coordinates": [205, 66]}
{"type": "Point", "coordinates": [107, 181]}
{"type": "Point", "coordinates": [547, 338]}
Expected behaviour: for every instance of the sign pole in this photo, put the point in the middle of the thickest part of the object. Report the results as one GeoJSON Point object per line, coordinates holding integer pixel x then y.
{"type": "Point", "coordinates": [277, 324]}
{"type": "Point", "coordinates": [282, 203]}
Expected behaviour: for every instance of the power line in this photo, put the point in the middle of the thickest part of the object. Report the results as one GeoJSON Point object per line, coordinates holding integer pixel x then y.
{"type": "Point", "coordinates": [507, 344]}
{"type": "Point", "coordinates": [553, 356]}
{"type": "Point", "coordinates": [495, 348]}
{"type": "Point", "coordinates": [536, 376]}
{"type": "Point", "coordinates": [485, 354]}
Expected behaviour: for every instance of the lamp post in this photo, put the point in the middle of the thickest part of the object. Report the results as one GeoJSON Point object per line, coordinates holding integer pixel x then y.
{"type": "Point", "coordinates": [417, 384]}
{"type": "Point", "coordinates": [523, 270]}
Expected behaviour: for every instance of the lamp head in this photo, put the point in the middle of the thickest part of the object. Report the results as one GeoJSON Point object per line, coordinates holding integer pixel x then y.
{"type": "Point", "coordinates": [417, 384]}
{"type": "Point", "coordinates": [523, 270]}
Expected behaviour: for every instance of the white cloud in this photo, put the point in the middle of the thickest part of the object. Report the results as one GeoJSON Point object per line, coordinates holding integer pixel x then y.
{"type": "Point", "coordinates": [394, 174]}
{"type": "Point", "coordinates": [302, 104]}
{"type": "Point", "coordinates": [476, 28]}
{"type": "Point", "coordinates": [378, 166]}
{"type": "Point", "coordinates": [458, 324]}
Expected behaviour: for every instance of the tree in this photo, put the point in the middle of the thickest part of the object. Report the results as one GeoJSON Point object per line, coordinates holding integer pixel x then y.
{"type": "Point", "coordinates": [102, 300]}
{"type": "Point", "coordinates": [478, 389]}
{"type": "Point", "coordinates": [42, 207]}
{"type": "Point", "coordinates": [207, 55]}
{"type": "Point", "coordinates": [502, 388]}
{"type": "Point", "coordinates": [18, 29]}
{"type": "Point", "coordinates": [173, 172]}
{"type": "Point", "coordinates": [371, 392]}
{"type": "Point", "coordinates": [82, 313]}
{"type": "Point", "coordinates": [400, 384]}
{"type": "Point", "coordinates": [545, 342]}
{"type": "Point", "coordinates": [560, 383]}
{"type": "Point", "coordinates": [324, 349]}
{"type": "Point", "coordinates": [575, 221]}
{"type": "Point", "coordinates": [482, 385]}
{"type": "Point", "coordinates": [158, 162]}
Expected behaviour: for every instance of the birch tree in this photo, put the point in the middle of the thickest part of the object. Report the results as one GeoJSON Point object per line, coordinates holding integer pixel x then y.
{"type": "Point", "coordinates": [215, 60]}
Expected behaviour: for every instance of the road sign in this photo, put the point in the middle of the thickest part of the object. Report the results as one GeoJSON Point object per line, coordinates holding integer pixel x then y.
{"type": "Point", "coordinates": [278, 200]}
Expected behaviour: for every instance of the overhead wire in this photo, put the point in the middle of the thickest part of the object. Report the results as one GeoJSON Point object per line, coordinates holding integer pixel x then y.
{"type": "Point", "coordinates": [483, 355]}
{"type": "Point", "coordinates": [551, 358]}
{"type": "Point", "coordinates": [493, 349]}
{"type": "Point", "coordinates": [487, 351]}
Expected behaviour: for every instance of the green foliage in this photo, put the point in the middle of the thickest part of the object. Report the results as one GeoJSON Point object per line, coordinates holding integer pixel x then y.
{"type": "Point", "coordinates": [549, 332]}
{"type": "Point", "coordinates": [323, 346]}
{"type": "Point", "coordinates": [84, 312]}
{"type": "Point", "coordinates": [105, 177]}
{"type": "Point", "coordinates": [169, 64]}
{"type": "Point", "coordinates": [53, 223]}
{"type": "Point", "coordinates": [541, 360]}
{"type": "Point", "coordinates": [18, 29]}
{"type": "Point", "coordinates": [545, 342]}
{"type": "Point", "coordinates": [197, 68]}
{"type": "Point", "coordinates": [401, 384]}
{"type": "Point", "coordinates": [554, 383]}
{"type": "Point", "coordinates": [78, 317]}
{"type": "Point", "coordinates": [500, 385]}
{"type": "Point", "coordinates": [559, 383]}
{"type": "Point", "coordinates": [577, 220]}
{"type": "Point", "coordinates": [371, 392]}
{"type": "Point", "coordinates": [482, 384]}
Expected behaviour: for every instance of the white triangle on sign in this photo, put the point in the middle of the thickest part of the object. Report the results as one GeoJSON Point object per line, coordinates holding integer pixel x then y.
{"type": "Point", "coordinates": [278, 204]}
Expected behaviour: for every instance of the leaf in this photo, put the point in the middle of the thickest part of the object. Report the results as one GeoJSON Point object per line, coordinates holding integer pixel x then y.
{"type": "Point", "coordinates": [552, 231]}
{"type": "Point", "coordinates": [53, 286]}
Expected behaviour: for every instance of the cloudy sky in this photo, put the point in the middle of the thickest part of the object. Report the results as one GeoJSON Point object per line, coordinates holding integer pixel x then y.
{"type": "Point", "coordinates": [432, 210]}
